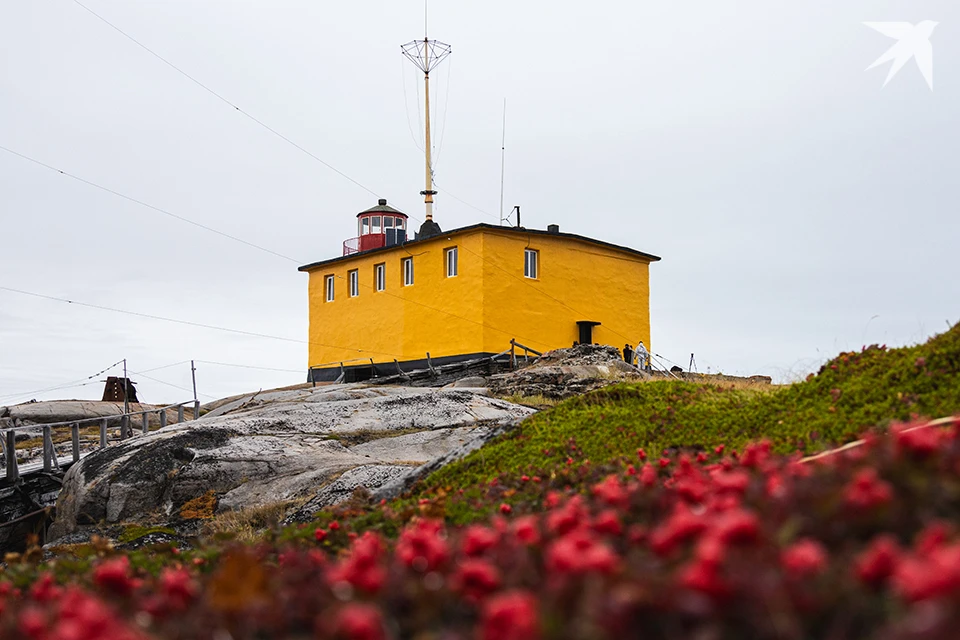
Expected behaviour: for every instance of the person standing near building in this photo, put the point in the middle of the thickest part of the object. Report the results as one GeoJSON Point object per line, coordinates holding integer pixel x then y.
{"type": "Point", "coordinates": [643, 357]}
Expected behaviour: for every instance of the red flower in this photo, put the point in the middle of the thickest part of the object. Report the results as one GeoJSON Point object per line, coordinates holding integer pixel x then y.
{"type": "Point", "coordinates": [360, 621]}
{"type": "Point", "coordinates": [361, 567]}
{"type": "Point", "coordinates": [114, 575]}
{"type": "Point", "coordinates": [178, 587]}
{"type": "Point", "coordinates": [33, 624]}
{"type": "Point", "coordinates": [334, 525]}
{"type": "Point", "coordinates": [648, 476]}
{"type": "Point", "coordinates": [608, 522]}
{"type": "Point", "coordinates": [320, 535]}
{"type": "Point", "coordinates": [421, 547]}
{"type": "Point", "coordinates": [641, 454]}
{"type": "Point", "coordinates": [924, 577]}
{"type": "Point", "coordinates": [756, 454]}
{"type": "Point", "coordinates": [878, 561]}
{"type": "Point", "coordinates": [477, 539]}
{"type": "Point", "coordinates": [505, 508]}
{"type": "Point", "coordinates": [510, 616]}
{"type": "Point", "coordinates": [476, 578]}
{"type": "Point", "coordinates": [736, 525]}
{"type": "Point", "coordinates": [45, 589]}
{"type": "Point", "coordinates": [806, 557]}
{"type": "Point", "coordinates": [568, 517]}
{"type": "Point", "coordinates": [682, 525]}
{"type": "Point", "coordinates": [664, 462]}
{"type": "Point", "coordinates": [703, 577]}
{"type": "Point", "coordinates": [866, 490]}
{"type": "Point", "coordinates": [917, 439]}
{"type": "Point", "coordinates": [580, 552]}
{"type": "Point", "coordinates": [734, 481]}
{"type": "Point", "coordinates": [526, 530]}
{"type": "Point", "coordinates": [612, 492]}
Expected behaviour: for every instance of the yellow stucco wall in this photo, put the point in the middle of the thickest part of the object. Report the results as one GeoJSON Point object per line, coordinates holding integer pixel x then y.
{"type": "Point", "coordinates": [577, 281]}
{"type": "Point", "coordinates": [486, 304]}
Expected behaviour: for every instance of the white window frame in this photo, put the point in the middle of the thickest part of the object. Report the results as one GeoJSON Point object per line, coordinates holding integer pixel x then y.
{"type": "Point", "coordinates": [407, 270]}
{"type": "Point", "coordinates": [328, 284]}
{"type": "Point", "coordinates": [451, 262]}
{"type": "Point", "coordinates": [380, 276]}
{"type": "Point", "coordinates": [531, 264]}
{"type": "Point", "coordinates": [353, 278]}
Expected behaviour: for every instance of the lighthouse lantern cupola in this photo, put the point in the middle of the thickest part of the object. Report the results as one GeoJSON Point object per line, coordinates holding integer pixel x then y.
{"type": "Point", "coordinates": [379, 226]}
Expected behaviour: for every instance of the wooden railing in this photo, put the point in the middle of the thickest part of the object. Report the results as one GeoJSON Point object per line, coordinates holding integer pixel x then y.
{"type": "Point", "coordinates": [50, 460]}
{"type": "Point", "coordinates": [514, 345]}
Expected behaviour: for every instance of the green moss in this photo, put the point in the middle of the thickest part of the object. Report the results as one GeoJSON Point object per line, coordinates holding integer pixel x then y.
{"type": "Point", "coordinates": [135, 532]}
{"type": "Point", "coordinates": [851, 393]}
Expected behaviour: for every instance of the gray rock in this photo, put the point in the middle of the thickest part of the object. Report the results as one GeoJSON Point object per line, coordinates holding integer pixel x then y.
{"type": "Point", "coordinates": [404, 482]}
{"type": "Point", "coordinates": [273, 446]}
{"type": "Point", "coordinates": [367, 476]}
{"type": "Point", "coordinates": [471, 382]}
{"type": "Point", "coordinates": [566, 372]}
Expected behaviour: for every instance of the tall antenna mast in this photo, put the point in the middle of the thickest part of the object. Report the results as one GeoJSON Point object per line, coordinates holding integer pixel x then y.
{"type": "Point", "coordinates": [426, 54]}
{"type": "Point", "coordinates": [503, 155]}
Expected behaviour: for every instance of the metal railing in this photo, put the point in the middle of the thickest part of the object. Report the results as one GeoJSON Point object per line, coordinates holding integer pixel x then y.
{"type": "Point", "coordinates": [50, 460]}
{"type": "Point", "coordinates": [514, 345]}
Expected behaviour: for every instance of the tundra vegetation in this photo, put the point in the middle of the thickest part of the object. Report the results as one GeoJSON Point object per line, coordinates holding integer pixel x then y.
{"type": "Point", "coordinates": [661, 509]}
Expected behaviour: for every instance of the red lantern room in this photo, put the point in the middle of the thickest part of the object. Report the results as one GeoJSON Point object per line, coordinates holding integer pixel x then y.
{"type": "Point", "coordinates": [379, 226]}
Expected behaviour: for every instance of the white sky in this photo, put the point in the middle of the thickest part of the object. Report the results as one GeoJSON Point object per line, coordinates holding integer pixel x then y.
{"type": "Point", "coordinates": [800, 209]}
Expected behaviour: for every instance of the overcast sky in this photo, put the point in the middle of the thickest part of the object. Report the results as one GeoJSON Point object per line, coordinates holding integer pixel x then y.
{"type": "Point", "coordinates": [800, 207]}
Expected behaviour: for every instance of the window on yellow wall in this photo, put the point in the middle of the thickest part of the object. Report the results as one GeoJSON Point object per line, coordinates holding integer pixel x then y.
{"type": "Point", "coordinates": [354, 278]}
{"type": "Point", "coordinates": [328, 282]}
{"type": "Point", "coordinates": [407, 271]}
{"type": "Point", "coordinates": [531, 263]}
{"type": "Point", "coordinates": [380, 276]}
{"type": "Point", "coordinates": [451, 260]}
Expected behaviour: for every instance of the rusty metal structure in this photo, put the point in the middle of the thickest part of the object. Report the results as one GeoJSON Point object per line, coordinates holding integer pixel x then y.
{"type": "Point", "coordinates": [113, 391]}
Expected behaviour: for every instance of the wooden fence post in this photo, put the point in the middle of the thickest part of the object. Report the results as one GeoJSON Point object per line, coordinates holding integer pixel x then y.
{"type": "Point", "coordinates": [146, 423]}
{"type": "Point", "coordinates": [163, 418]}
{"type": "Point", "coordinates": [47, 450]}
{"type": "Point", "coordinates": [103, 433]}
{"type": "Point", "coordinates": [196, 409]}
{"type": "Point", "coordinates": [179, 414]}
{"type": "Point", "coordinates": [75, 440]}
{"type": "Point", "coordinates": [513, 353]}
{"type": "Point", "coordinates": [13, 472]}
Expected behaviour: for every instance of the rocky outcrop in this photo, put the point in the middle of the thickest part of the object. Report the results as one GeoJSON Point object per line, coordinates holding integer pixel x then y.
{"type": "Point", "coordinates": [276, 446]}
{"type": "Point", "coordinates": [566, 372]}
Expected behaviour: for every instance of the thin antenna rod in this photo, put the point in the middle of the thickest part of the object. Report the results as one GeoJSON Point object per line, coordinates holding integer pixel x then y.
{"type": "Point", "coordinates": [424, 19]}
{"type": "Point", "coordinates": [503, 154]}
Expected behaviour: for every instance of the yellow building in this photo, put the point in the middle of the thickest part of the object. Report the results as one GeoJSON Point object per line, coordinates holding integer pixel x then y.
{"type": "Point", "coordinates": [466, 293]}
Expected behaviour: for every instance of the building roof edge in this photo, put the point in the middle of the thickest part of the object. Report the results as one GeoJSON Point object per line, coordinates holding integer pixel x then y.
{"type": "Point", "coordinates": [493, 227]}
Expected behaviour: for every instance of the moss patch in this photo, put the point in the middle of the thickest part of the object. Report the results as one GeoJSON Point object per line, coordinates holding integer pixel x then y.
{"type": "Point", "coordinates": [200, 508]}
{"type": "Point", "coordinates": [135, 532]}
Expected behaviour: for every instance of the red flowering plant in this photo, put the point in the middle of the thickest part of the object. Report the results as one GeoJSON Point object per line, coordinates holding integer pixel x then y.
{"type": "Point", "coordinates": [861, 543]}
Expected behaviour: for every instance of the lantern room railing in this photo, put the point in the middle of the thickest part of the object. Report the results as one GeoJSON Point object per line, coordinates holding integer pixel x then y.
{"type": "Point", "coordinates": [366, 242]}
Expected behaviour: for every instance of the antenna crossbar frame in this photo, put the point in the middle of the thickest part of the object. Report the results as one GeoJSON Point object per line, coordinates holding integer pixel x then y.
{"type": "Point", "coordinates": [426, 54]}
